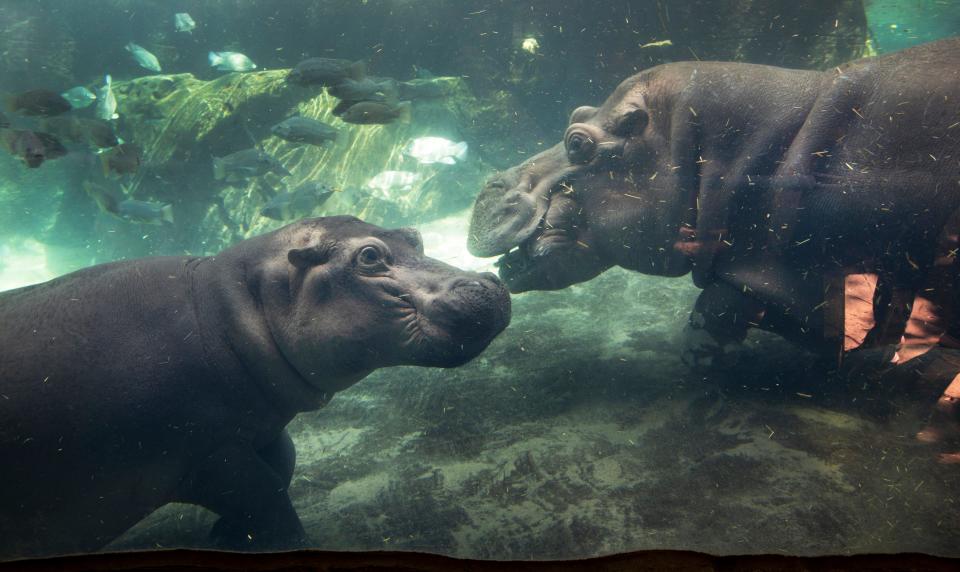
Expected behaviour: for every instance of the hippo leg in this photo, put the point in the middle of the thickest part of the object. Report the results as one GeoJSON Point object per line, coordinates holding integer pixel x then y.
{"type": "Point", "coordinates": [717, 327]}
{"type": "Point", "coordinates": [281, 455]}
{"type": "Point", "coordinates": [938, 368]}
{"type": "Point", "coordinates": [248, 489]}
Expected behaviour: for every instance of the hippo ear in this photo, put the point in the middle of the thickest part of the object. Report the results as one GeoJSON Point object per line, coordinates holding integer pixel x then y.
{"type": "Point", "coordinates": [310, 256]}
{"type": "Point", "coordinates": [582, 113]}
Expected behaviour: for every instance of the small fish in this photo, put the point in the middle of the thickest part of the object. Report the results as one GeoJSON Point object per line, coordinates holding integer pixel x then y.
{"type": "Point", "coordinates": [34, 148]}
{"type": "Point", "coordinates": [231, 61]}
{"type": "Point", "coordinates": [37, 102]}
{"type": "Point", "coordinates": [423, 89]}
{"type": "Point", "coordinates": [123, 159]}
{"type": "Point", "coordinates": [326, 71]}
{"type": "Point", "coordinates": [145, 212]}
{"type": "Point", "coordinates": [182, 22]}
{"type": "Point", "coordinates": [387, 184]}
{"type": "Point", "coordinates": [245, 164]}
{"type": "Point", "coordinates": [297, 203]}
{"type": "Point", "coordinates": [79, 97]}
{"type": "Point", "coordinates": [428, 150]}
{"type": "Point", "coordinates": [131, 210]}
{"type": "Point", "coordinates": [106, 102]}
{"type": "Point", "coordinates": [304, 130]}
{"type": "Point", "coordinates": [373, 112]}
{"type": "Point", "coordinates": [659, 44]}
{"type": "Point", "coordinates": [4, 122]}
{"type": "Point", "coordinates": [367, 89]}
{"type": "Point", "coordinates": [93, 133]}
{"type": "Point", "coordinates": [143, 57]}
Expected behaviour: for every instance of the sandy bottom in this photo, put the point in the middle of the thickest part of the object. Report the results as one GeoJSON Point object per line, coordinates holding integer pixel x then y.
{"type": "Point", "coordinates": [580, 432]}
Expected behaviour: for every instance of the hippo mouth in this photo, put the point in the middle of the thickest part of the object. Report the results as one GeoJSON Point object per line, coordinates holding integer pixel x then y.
{"type": "Point", "coordinates": [556, 254]}
{"type": "Point", "coordinates": [532, 256]}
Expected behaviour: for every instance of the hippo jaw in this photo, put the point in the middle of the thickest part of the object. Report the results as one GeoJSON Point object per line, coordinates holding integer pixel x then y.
{"type": "Point", "coordinates": [557, 253]}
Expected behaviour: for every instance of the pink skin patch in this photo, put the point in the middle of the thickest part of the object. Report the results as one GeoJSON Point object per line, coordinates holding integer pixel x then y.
{"type": "Point", "coordinates": [688, 245]}
{"type": "Point", "coordinates": [858, 318]}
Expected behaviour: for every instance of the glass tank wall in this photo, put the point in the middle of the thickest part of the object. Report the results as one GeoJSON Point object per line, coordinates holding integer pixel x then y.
{"type": "Point", "coordinates": [732, 294]}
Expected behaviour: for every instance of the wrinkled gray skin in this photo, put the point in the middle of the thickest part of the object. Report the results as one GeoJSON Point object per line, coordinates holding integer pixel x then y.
{"type": "Point", "coordinates": [763, 182]}
{"type": "Point", "coordinates": [129, 385]}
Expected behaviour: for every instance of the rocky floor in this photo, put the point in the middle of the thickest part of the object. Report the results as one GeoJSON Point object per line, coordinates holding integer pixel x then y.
{"type": "Point", "coordinates": [579, 432]}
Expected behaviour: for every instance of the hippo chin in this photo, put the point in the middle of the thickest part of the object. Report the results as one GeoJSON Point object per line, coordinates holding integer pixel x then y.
{"type": "Point", "coordinates": [819, 205]}
{"type": "Point", "coordinates": [130, 385]}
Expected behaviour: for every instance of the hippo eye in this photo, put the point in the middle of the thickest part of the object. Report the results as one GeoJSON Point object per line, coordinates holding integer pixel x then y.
{"type": "Point", "coordinates": [370, 258]}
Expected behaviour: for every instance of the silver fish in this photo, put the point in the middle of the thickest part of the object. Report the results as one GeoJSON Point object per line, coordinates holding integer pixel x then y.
{"type": "Point", "coordinates": [182, 22]}
{"type": "Point", "coordinates": [106, 102]}
{"type": "Point", "coordinates": [231, 61]}
{"type": "Point", "coordinates": [79, 97]}
{"type": "Point", "coordinates": [428, 150]}
{"type": "Point", "coordinates": [143, 57]}
{"type": "Point", "coordinates": [387, 184]}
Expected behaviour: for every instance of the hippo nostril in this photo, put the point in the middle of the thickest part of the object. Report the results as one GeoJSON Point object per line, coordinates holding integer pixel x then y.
{"type": "Point", "coordinates": [465, 283]}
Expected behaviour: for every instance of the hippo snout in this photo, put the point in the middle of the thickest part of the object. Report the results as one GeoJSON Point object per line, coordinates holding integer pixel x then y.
{"type": "Point", "coordinates": [473, 308]}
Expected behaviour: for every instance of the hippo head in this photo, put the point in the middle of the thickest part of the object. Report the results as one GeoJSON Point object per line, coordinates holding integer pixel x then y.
{"type": "Point", "coordinates": [613, 193]}
{"type": "Point", "coordinates": [342, 297]}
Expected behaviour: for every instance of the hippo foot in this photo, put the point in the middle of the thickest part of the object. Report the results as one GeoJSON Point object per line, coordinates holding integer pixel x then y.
{"type": "Point", "coordinates": [232, 534]}
{"type": "Point", "coordinates": [944, 423]}
{"type": "Point", "coordinates": [702, 351]}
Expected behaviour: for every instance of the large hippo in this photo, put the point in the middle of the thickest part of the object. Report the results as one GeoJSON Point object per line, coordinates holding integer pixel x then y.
{"type": "Point", "coordinates": [819, 205]}
{"type": "Point", "coordinates": [133, 384]}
